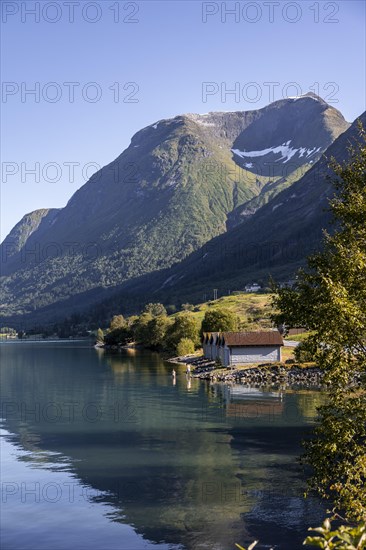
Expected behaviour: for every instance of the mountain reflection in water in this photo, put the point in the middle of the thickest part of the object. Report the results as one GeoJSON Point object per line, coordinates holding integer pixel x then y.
{"type": "Point", "coordinates": [151, 462]}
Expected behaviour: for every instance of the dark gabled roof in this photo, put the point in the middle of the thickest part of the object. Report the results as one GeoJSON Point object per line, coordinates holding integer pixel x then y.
{"type": "Point", "coordinates": [260, 338]}
{"type": "Point", "coordinates": [214, 336]}
{"type": "Point", "coordinates": [208, 336]}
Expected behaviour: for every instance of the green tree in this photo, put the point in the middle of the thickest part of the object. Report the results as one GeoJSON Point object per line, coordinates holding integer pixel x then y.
{"type": "Point", "coordinates": [118, 321]}
{"type": "Point", "coordinates": [185, 326]}
{"type": "Point", "coordinates": [131, 320]}
{"type": "Point", "coordinates": [155, 309]}
{"type": "Point", "coordinates": [8, 330]}
{"type": "Point", "coordinates": [100, 336]}
{"type": "Point", "coordinates": [140, 328]}
{"type": "Point", "coordinates": [120, 335]}
{"type": "Point", "coordinates": [157, 329]}
{"type": "Point", "coordinates": [329, 298]}
{"type": "Point", "coordinates": [185, 346]}
{"type": "Point", "coordinates": [216, 320]}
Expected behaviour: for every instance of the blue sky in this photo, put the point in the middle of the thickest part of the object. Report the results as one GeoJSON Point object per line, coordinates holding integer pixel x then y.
{"type": "Point", "coordinates": [139, 62]}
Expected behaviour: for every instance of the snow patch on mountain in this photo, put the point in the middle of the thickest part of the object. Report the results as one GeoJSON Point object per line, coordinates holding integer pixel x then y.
{"type": "Point", "coordinates": [285, 150]}
{"type": "Point", "coordinates": [310, 96]}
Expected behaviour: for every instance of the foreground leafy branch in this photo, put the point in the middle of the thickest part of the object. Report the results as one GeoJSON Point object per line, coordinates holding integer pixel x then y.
{"type": "Point", "coordinates": [345, 537]}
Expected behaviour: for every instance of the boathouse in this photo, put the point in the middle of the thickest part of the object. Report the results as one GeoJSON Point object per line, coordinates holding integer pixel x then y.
{"type": "Point", "coordinates": [236, 348]}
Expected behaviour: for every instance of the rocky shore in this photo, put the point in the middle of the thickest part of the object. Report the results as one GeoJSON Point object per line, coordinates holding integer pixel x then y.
{"type": "Point", "coordinates": [256, 375]}
{"type": "Point", "coordinates": [268, 374]}
{"type": "Point", "coordinates": [264, 375]}
{"type": "Point", "coordinates": [280, 374]}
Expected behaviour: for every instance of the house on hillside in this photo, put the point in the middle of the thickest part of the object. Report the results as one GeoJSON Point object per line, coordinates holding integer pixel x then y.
{"type": "Point", "coordinates": [252, 288]}
{"type": "Point", "coordinates": [237, 348]}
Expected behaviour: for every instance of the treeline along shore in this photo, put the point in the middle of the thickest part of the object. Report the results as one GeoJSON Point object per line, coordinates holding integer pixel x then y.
{"type": "Point", "coordinates": [177, 337]}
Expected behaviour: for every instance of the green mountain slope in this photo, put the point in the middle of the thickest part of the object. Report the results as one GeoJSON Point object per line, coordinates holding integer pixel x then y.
{"type": "Point", "coordinates": [39, 220]}
{"type": "Point", "coordinates": [171, 191]}
{"type": "Point", "coordinates": [274, 241]}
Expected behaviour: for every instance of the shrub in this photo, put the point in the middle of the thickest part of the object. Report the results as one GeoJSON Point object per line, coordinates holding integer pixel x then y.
{"type": "Point", "coordinates": [185, 346]}
{"type": "Point", "coordinates": [303, 354]}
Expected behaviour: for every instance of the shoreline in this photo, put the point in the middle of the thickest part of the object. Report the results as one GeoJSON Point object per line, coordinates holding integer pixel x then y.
{"type": "Point", "coordinates": [255, 375]}
{"type": "Point", "coordinates": [271, 375]}
{"type": "Point", "coordinates": [263, 374]}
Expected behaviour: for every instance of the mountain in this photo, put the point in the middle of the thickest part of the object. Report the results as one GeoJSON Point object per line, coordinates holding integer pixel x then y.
{"type": "Point", "coordinates": [178, 185]}
{"type": "Point", "coordinates": [274, 241]}
{"type": "Point", "coordinates": [39, 220]}
{"type": "Point", "coordinates": [308, 119]}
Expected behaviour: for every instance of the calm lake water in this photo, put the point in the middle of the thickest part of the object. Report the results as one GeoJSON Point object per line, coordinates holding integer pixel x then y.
{"type": "Point", "coordinates": [104, 452]}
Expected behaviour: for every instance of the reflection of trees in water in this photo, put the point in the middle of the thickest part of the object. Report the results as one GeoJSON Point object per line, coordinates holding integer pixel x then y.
{"type": "Point", "coordinates": [131, 361]}
{"type": "Point", "coordinates": [308, 404]}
